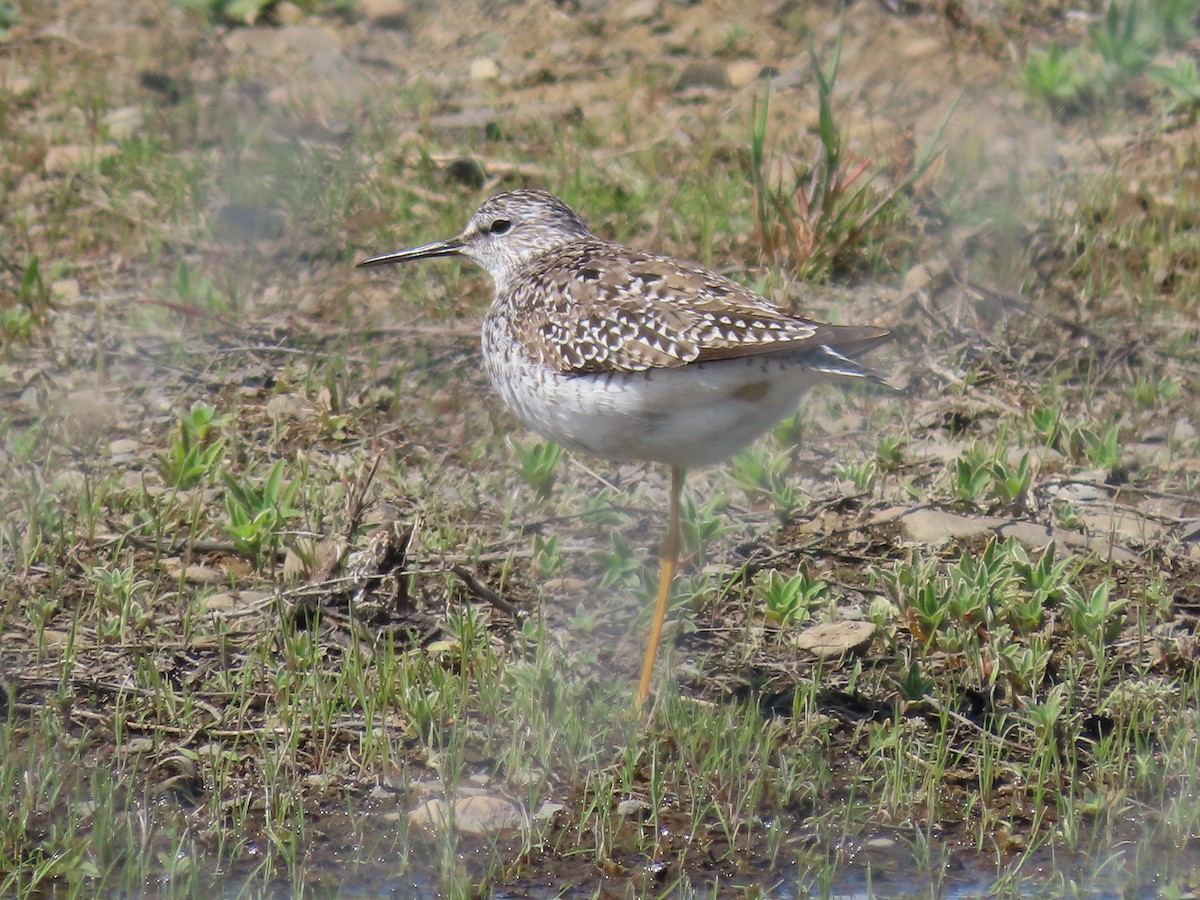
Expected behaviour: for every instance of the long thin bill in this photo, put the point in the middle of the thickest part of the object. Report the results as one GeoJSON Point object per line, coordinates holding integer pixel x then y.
{"type": "Point", "coordinates": [426, 251]}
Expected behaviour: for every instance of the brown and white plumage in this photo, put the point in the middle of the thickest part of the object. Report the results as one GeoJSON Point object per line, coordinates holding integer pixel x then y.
{"type": "Point", "coordinates": [632, 356]}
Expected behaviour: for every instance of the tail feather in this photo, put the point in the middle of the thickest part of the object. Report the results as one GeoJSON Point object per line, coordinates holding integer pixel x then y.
{"type": "Point", "coordinates": [836, 356]}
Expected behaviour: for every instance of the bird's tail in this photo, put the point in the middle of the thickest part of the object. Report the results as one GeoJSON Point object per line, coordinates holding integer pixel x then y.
{"type": "Point", "coordinates": [843, 344]}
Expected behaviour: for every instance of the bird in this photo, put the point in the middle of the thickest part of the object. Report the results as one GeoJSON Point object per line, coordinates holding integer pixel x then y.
{"type": "Point", "coordinates": [632, 356]}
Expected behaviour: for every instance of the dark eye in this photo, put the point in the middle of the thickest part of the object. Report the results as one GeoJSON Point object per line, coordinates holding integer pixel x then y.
{"type": "Point", "coordinates": [500, 226]}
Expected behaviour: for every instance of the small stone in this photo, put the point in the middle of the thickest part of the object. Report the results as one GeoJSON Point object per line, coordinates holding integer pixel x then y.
{"type": "Point", "coordinates": [483, 815]}
{"type": "Point", "coordinates": [217, 602]}
{"type": "Point", "coordinates": [66, 289]}
{"type": "Point", "coordinates": [195, 573]}
{"type": "Point", "coordinates": [137, 745]}
{"type": "Point", "coordinates": [703, 75]}
{"type": "Point", "coordinates": [935, 526]}
{"type": "Point", "coordinates": [124, 447]}
{"type": "Point", "coordinates": [288, 13]}
{"type": "Point", "coordinates": [548, 811]}
{"type": "Point", "coordinates": [832, 639]}
{"type": "Point", "coordinates": [391, 14]}
{"type": "Point", "coordinates": [639, 11]}
{"type": "Point", "coordinates": [633, 807]}
{"type": "Point", "coordinates": [484, 69]}
{"type": "Point", "coordinates": [742, 72]}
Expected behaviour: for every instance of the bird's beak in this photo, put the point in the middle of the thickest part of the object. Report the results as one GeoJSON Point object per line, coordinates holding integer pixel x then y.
{"type": "Point", "coordinates": [451, 247]}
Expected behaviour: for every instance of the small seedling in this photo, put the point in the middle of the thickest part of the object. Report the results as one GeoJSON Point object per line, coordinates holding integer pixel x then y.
{"type": "Point", "coordinates": [620, 565]}
{"type": "Point", "coordinates": [860, 474]}
{"type": "Point", "coordinates": [193, 292]}
{"type": "Point", "coordinates": [1047, 424]}
{"type": "Point", "coordinates": [257, 515]}
{"type": "Point", "coordinates": [913, 685]}
{"type": "Point", "coordinates": [1096, 615]}
{"type": "Point", "coordinates": [1055, 74]}
{"type": "Point", "coordinates": [1011, 485]}
{"type": "Point", "coordinates": [1120, 41]}
{"type": "Point", "coordinates": [790, 601]}
{"type": "Point", "coordinates": [972, 472]}
{"type": "Point", "coordinates": [538, 466]}
{"type": "Point", "coordinates": [1183, 85]}
{"type": "Point", "coordinates": [1103, 451]}
{"type": "Point", "coordinates": [193, 454]}
{"type": "Point", "coordinates": [889, 453]}
{"type": "Point", "coordinates": [548, 560]}
{"type": "Point", "coordinates": [762, 472]}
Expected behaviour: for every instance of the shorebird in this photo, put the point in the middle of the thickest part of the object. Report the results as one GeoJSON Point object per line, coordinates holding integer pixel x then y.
{"type": "Point", "coordinates": [631, 356]}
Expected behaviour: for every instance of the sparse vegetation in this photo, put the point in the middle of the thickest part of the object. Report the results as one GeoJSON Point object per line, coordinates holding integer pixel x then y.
{"type": "Point", "coordinates": [275, 569]}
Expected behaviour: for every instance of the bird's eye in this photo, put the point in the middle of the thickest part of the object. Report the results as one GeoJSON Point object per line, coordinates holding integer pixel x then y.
{"type": "Point", "coordinates": [500, 226]}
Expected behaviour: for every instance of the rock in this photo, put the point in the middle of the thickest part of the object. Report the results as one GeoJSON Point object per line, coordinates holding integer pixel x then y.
{"type": "Point", "coordinates": [65, 289]}
{"type": "Point", "coordinates": [703, 75]}
{"type": "Point", "coordinates": [1035, 537]}
{"type": "Point", "coordinates": [742, 72]}
{"type": "Point", "coordinates": [123, 448]}
{"type": "Point", "coordinates": [195, 573]}
{"type": "Point", "coordinates": [302, 40]}
{"type": "Point", "coordinates": [484, 69]}
{"type": "Point", "coordinates": [288, 13]}
{"type": "Point", "coordinates": [639, 11]}
{"type": "Point", "coordinates": [548, 811]}
{"type": "Point", "coordinates": [217, 602]}
{"type": "Point", "coordinates": [1074, 492]}
{"type": "Point", "coordinates": [484, 814]}
{"type": "Point", "coordinates": [391, 14]}
{"type": "Point", "coordinates": [936, 526]}
{"type": "Point", "coordinates": [632, 807]}
{"type": "Point", "coordinates": [833, 639]}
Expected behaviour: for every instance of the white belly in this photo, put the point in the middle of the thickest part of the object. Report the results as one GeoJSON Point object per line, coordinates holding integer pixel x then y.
{"type": "Point", "coordinates": [685, 417]}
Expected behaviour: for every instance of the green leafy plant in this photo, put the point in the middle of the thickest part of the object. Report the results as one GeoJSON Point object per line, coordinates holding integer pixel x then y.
{"type": "Point", "coordinates": [790, 601]}
{"type": "Point", "coordinates": [1103, 450]}
{"type": "Point", "coordinates": [822, 219]}
{"type": "Point", "coordinates": [913, 685]}
{"type": "Point", "coordinates": [538, 466]}
{"type": "Point", "coordinates": [1094, 616]}
{"type": "Point", "coordinates": [1011, 483]}
{"type": "Point", "coordinates": [548, 559]}
{"type": "Point", "coordinates": [257, 515]}
{"type": "Point", "coordinates": [889, 453]}
{"type": "Point", "coordinates": [972, 472]}
{"type": "Point", "coordinates": [860, 474]}
{"type": "Point", "coordinates": [1047, 424]}
{"type": "Point", "coordinates": [1122, 43]}
{"type": "Point", "coordinates": [194, 453]}
{"type": "Point", "coordinates": [762, 472]}
{"type": "Point", "coordinates": [1183, 85]}
{"type": "Point", "coordinates": [1055, 74]}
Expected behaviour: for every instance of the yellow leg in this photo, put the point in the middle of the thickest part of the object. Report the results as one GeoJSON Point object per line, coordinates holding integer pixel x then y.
{"type": "Point", "coordinates": [668, 560]}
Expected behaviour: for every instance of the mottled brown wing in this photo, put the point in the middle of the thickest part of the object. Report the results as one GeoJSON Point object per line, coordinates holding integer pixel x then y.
{"type": "Point", "coordinates": [603, 308]}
